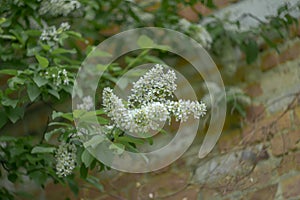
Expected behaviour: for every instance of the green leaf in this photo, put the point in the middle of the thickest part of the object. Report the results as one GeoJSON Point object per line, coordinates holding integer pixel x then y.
{"type": "Point", "coordinates": [95, 182]}
{"type": "Point", "coordinates": [62, 51]}
{"type": "Point", "coordinates": [117, 147]}
{"type": "Point", "coordinates": [12, 72]}
{"type": "Point", "coordinates": [130, 139]}
{"type": "Point", "coordinates": [73, 185]}
{"type": "Point", "coordinates": [8, 37]}
{"type": "Point", "coordinates": [251, 50]}
{"type": "Point", "coordinates": [49, 134]}
{"type": "Point", "coordinates": [54, 93]}
{"type": "Point", "coordinates": [3, 119]}
{"type": "Point", "coordinates": [86, 158]}
{"type": "Point", "coordinates": [33, 32]}
{"type": "Point", "coordinates": [94, 141]}
{"type": "Point", "coordinates": [73, 33]}
{"type": "Point", "coordinates": [42, 61]}
{"type": "Point", "coordinates": [9, 102]}
{"type": "Point", "coordinates": [145, 42]}
{"type": "Point", "coordinates": [6, 138]}
{"type": "Point", "coordinates": [68, 116]}
{"type": "Point", "coordinates": [40, 81]}
{"type": "Point", "coordinates": [33, 91]}
{"type": "Point", "coordinates": [38, 177]}
{"type": "Point", "coordinates": [83, 171]}
{"type": "Point", "coordinates": [12, 177]}
{"type": "Point", "coordinates": [14, 114]}
{"type": "Point", "coordinates": [40, 149]}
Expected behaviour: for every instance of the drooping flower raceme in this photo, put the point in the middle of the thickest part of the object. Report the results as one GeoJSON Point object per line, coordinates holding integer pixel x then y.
{"type": "Point", "coordinates": [154, 86]}
{"type": "Point", "coordinates": [148, 105]}
{"type": "Point", "coordinates": [87, 103]}
{"type": "Point", "coordinates": [51, 34]}
{"type": "Point", "coordinates": [58, 7]}
{"type": "Point", "coordinates": [65, 159]}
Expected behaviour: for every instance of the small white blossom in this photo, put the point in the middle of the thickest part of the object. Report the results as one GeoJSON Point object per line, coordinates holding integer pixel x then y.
{"type": "Point", "coordinates": [87, 103]}
{"type": "Point", "coordinates": [58, 7]}
{"type": "Point", "coordinates": [65, 159]}
{"type": "Point", "coordinates": [57, 76]}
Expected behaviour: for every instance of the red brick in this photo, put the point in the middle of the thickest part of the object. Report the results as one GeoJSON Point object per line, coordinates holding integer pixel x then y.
{"type": "Point", "coordinates": [289, 162]}
{"type": "Point", "coordinates": [295, 30]}
{"type": "Point", "coordinates": [267, 193]}
{"type": "Point", "coordinates": [269, 60]}
{"type": "Point", "coordinates": [278, 145]}
{"type": "Point", "coordinates": [188, 13]}
{"type": "Point", "coordinates": [263, 173]}
{"type": "Point", "coordinates": [254, 90]}
{"type": "Point", "coordinates": [282, 143]}
{"type": "Point", "coordinates": [200, 8]}
{"type": "Point", "coordinates": [253, 134]}
{"type": "Point", "coordinates": [186, 194]}
{"type": "Point", "coordinates": [290, 187]}
{"type": "Point", "coordinates": [284, 121]}
{"type": "Point", "coordinates": [255, 112]}
{"type": "Point", "coordinates": [286, 164]}
{"type": "Point", "coordinates": [290, 53]}
{"type": "Point", "coordinates": [297, 115]}
{"type": "Point", "coordinates": [163, 185]}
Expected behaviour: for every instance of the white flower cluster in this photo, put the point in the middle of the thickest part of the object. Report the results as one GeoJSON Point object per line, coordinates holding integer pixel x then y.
{"type": "Point", "coordinates": [197, 32]}
{"type": "Point", "coordinates": [87, 103]}
{"type": "Point", "coordinates": [58, 7]}
{"type": "Point", "coordinates": [150, 106]}
{"type": "Point", "coordinates": [51, 34]}
{"type": "Point", "coordinates": [59, 77]}
{"type": "Point", "coordinates": [139, 120]}
{"type": "Point", "coordinates": [183, 108]}
{"type": "Point", "coordinates": [65, 159]}
{"type": "Point", "coordinates": [154, 86]}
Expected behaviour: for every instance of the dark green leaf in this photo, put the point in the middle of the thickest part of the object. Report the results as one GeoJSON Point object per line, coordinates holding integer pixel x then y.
{"type": "Point", "coordinates": [83, 172]}
{"type": "Point", "coordinates": [12, 177]}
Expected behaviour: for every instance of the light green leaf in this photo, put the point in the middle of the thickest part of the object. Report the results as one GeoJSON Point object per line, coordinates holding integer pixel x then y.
{"type": "Point", "coordinates": [8, 37]}
{"type": "Point", "coordinates": [54, 93]}
{"type": "Point", "coordinates": [94, 141]}
{"type": "Point", "coordinates": [9, 102]}
{"type": "Point", "coordinates": [145, 42]}
{"type": "Point", "coordinates": [12, 72]}
{"type": "Point", "coordinates": [86, 158]}
{"type": "Point", "coordinates": [33, 91]}
{"type": "Point", "coordinates": [117, 147]}
{"type": "Point", "coordinates": [49, 134]}
{"type": "Point", "coordinates": [39, 149]}
{"type": "Point", "coordinates": [42, 61]}
{"type": "Point", "coordinates": [40, 81]}
{"type": "Point", "coordinates": [61, 51]}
